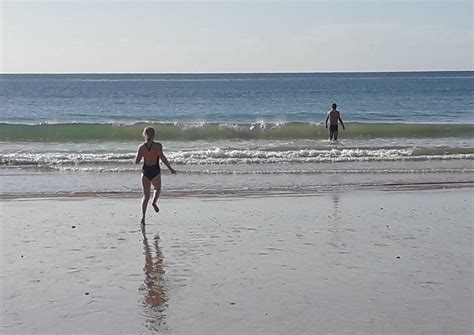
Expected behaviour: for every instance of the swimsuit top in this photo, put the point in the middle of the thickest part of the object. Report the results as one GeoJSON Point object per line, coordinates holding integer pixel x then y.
{"type": "Point", "coordinates": [151, 155]}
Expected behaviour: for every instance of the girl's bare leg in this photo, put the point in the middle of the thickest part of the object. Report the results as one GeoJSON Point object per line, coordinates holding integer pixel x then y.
{"type": "Point", "coordinates": [146, 185]}
{"type": "Point", "coordinates": [157, 186]}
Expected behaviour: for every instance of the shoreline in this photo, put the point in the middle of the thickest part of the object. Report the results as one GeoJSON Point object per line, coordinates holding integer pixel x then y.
{"type": "Point", "coordinates": [276, 191]}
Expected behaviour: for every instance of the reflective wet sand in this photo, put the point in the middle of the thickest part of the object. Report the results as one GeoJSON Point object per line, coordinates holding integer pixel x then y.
{"type": "Point", "coordinates": [154, 284]}
{"type": "Point", "coordinates": [364, 261]}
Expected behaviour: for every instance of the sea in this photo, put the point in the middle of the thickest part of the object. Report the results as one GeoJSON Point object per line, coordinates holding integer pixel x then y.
{"type": "Point", "coordinates": [77, 134]}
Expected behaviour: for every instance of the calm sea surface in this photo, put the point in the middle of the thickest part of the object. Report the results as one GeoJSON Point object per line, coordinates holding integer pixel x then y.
{"type": "Point", "coordinates": [241, 98]}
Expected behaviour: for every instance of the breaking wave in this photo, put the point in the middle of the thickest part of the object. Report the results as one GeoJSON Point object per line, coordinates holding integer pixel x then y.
{"type": "Point", "coordinates": [83, 132]}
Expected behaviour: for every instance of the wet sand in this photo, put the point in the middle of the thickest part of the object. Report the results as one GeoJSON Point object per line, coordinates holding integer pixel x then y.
{"type": "Point", "coordinates": [346, 262]}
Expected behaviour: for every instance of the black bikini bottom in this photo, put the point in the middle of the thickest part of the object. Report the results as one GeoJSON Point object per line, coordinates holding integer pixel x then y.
{"type": "Point", "coordinates": [151, 171]}
{"type": "Point", "coordinates": [333, 127]}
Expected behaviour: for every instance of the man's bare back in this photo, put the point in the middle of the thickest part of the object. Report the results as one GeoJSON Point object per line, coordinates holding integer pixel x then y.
{"type": "Point", "coordinates": [334, 117]}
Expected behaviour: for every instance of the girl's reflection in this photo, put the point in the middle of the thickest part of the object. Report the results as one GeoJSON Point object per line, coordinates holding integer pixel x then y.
{"type": "Point", "coordinates": [154, 299]}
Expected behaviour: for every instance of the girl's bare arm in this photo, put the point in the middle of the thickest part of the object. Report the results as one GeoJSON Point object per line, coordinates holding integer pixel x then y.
{"type": "Point", "coordinates": [165, 160]}
{"type": "Point", "coordinates": [139, 155]}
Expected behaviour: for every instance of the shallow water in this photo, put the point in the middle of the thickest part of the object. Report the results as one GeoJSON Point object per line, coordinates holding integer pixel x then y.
{"type": "Point", "coordinates": [229, 166]}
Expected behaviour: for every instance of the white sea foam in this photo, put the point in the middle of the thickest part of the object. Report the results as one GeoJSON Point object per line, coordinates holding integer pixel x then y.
{"type": "Point", "coordinates": [218, 155]}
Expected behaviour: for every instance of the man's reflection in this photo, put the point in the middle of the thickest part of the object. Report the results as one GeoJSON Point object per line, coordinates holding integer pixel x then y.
{"type": "Point", "coordinates": [335, 203]}
{"type": "Point", "coordinates": [334, 222]}
{"type": "Point", "coordinates": [154, 299]}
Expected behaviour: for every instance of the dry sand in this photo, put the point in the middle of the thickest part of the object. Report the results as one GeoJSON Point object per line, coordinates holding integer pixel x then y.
{"type": "Point", "coordinates": [356, 262]}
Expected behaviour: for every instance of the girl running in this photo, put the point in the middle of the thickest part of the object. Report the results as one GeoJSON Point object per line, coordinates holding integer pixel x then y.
{"type": "Point", "coordinates": [151, 152]}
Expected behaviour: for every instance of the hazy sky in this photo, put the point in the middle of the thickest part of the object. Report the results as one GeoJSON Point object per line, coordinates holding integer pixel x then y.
{"type": "Point", "coordinates": [238, 36]}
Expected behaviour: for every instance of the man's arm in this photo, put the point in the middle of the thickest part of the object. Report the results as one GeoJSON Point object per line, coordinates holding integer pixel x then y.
{"type": "Point", "coordinates": [327, 118]}
{"type": "Point", "coordinates": [139, 155]}
{"type": "Point", "coordinates": [342, 123]}
{"type": "Point", "coordinates": [165, 160]}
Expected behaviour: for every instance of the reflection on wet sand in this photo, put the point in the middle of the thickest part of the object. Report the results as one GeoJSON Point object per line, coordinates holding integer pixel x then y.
{"type": "Point", "coordinates": [154, 290]}
{"type": "Point", "coordinates": [334, 222]}
{"type": "Point", "coordinates": [335, 202]}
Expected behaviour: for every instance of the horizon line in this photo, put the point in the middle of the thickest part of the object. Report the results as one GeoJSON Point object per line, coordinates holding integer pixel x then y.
{"type": "Point", "coordinates": [227, 73]}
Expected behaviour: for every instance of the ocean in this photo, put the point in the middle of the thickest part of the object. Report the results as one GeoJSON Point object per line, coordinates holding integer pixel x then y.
{"type": "Point", "coordinates": [231, 133]}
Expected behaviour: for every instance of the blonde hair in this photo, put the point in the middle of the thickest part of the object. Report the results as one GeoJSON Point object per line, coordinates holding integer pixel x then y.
{"type": "Point", "coordinates": [148, 133]}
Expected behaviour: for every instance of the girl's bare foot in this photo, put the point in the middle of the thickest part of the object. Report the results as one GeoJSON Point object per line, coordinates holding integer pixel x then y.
{"type": "Point", "coordinates": [155, 207]}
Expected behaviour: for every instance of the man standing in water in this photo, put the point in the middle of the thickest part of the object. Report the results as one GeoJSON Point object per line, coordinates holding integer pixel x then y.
{"type": "Point", "coordinates": [334, 118]}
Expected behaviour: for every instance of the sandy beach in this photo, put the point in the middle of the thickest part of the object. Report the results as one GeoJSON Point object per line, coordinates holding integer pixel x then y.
{"type": "Point", "coordinates": [347, 262]}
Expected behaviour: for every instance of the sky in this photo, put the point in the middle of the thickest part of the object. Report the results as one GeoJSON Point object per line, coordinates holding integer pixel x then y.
{"type": "Point", "coordinates": [235, 36]}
